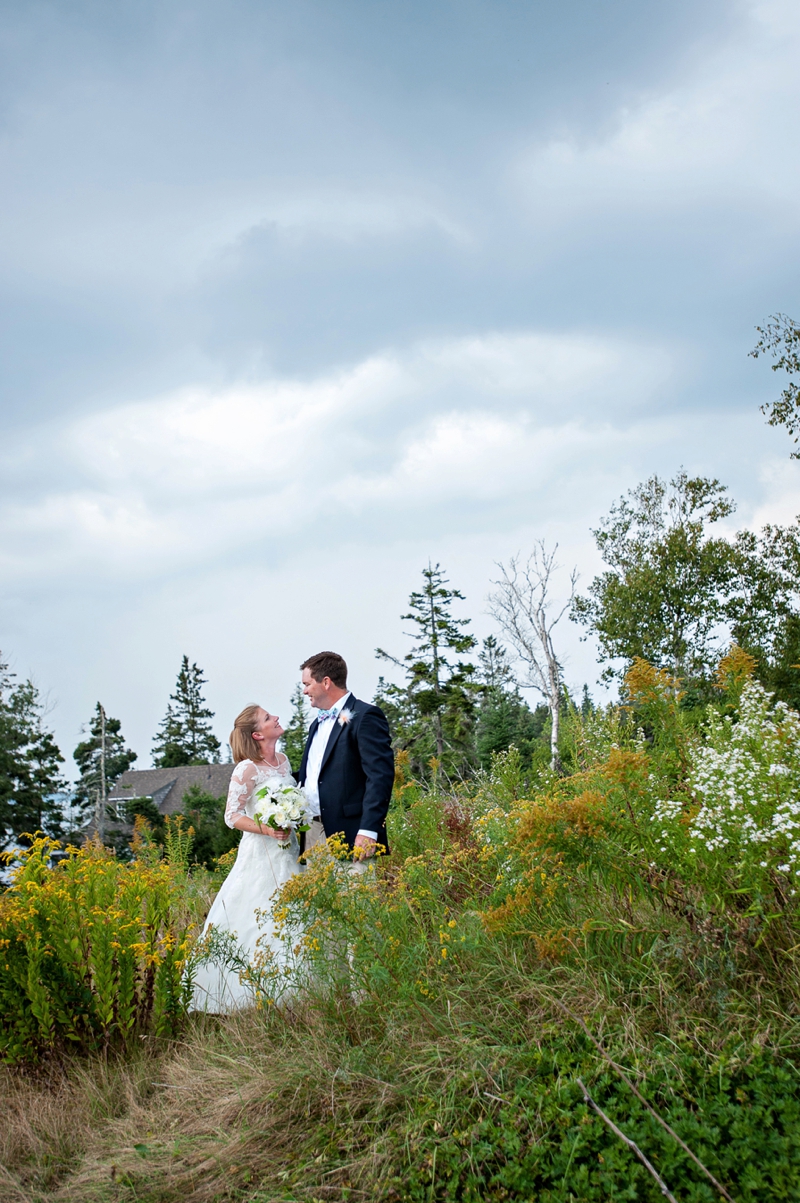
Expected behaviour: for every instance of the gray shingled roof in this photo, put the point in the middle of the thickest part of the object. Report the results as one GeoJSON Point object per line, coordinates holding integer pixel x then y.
{"type": "Point", "coordinates": [167, 786]}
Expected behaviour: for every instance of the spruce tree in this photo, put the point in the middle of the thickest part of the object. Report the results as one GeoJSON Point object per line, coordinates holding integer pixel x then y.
{"type": "Point", "coordinates": [296, 732]}
{"type": "Point", "coordinates": [400, 713]}
{"type": "Point", "coordinates": [185, 735]}
{"type": "Point", "coordinates": [494, 669]}
{"type": "Point", "coordinates": [30, 776]}
{"type": "Point", "coordinates": [504, 717]}
{"type": "Point", "coordinates": [439, 697]}
{"type": "Point", "coordinates": [101, 759]}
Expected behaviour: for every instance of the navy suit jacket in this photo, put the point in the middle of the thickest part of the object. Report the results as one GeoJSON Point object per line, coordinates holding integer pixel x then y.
{"type": "Point", "coordinates": [357, 774]}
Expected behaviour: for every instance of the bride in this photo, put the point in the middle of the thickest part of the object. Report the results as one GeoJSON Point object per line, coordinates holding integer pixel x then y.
{"type": "Point", "coordinates": [261, 866]}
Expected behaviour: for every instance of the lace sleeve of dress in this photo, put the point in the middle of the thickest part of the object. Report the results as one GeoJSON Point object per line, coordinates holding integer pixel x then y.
{"type": "Point", "coordinates": [240, 791]}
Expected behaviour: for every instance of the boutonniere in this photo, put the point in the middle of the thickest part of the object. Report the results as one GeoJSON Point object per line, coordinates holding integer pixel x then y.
{"type": "Point", "coordinates": [345, 717]}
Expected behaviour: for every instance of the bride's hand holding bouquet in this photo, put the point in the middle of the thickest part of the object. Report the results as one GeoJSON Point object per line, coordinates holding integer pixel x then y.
{"type": "Point", "coordinates": [281, 808]}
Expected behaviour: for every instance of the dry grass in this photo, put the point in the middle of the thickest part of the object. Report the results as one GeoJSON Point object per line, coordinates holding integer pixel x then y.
{"type": "Point", "coordinates": [51, 1119]}
{"type": "Point", "coordinates": [230, 1113]}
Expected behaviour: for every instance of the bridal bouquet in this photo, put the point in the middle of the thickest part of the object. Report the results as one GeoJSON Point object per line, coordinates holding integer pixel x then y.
{"type": "Point", "coordinates": [282, 804]}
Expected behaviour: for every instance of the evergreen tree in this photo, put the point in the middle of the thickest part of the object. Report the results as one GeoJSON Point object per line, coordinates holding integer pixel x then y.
{"type": "Point", "coordinates": [437, 704]}
{"type": "Point", "coordinates": [504, 717]}
{"type": "Point", "coordinates": [296, 733]}
{"type": "Point", "coordinates": [185, 735]}
{"type": "Point", "coordinates": [494, 670]}
{"type": "Point", "coordinates": [396, 704]}
{"type": "Point", "coordinates": [30, 777]}
{"type": "Point", "coordinates": [101, 759]}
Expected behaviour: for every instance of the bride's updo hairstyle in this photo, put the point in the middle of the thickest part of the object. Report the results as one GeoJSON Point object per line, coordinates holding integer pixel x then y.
{"type": "Point", "coordinates": [243, 746]}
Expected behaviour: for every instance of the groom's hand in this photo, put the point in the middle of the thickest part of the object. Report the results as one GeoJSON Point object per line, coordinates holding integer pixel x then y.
{"type": "Point", "coordinates": [363, 848]}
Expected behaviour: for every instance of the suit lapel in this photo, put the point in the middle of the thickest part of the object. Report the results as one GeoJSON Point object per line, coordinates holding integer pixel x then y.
{"type": "Point", "coordinates": [335, 733]}
{"type": "Point", "coordinates": [332, 738]}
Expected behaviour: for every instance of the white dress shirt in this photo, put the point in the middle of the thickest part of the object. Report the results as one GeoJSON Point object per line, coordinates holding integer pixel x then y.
{"type": "Point", "coordinates": [314, 763]}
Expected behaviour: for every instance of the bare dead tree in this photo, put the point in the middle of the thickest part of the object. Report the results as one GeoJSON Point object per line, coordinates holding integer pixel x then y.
{"type": "Point", "coordinates": [520, 603]}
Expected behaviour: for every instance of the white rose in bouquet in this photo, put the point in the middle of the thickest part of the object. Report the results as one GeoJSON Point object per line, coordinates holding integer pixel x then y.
{"type": "Point", "coordinates": [282, 805]}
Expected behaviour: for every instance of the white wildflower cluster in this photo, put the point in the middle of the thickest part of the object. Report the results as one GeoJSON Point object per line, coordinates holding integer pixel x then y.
{"type": "Point", "coordinates": [666, 814]}
{"type": "Point", "coordinates": [282, 805]}
{"type": "Point", "coordinates": [746, 777]}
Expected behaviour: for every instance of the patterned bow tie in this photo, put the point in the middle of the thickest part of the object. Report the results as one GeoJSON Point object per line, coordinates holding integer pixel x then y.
{"type": "Point", "coordinates": [324, 715]}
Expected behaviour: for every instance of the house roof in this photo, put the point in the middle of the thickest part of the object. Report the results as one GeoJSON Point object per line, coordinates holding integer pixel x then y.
{"type": "Point", "coordinates": [167, 786]}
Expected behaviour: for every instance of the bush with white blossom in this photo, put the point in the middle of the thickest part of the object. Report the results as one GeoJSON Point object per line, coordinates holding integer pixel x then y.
{"type": "Point", "coordinates": [745, 782]}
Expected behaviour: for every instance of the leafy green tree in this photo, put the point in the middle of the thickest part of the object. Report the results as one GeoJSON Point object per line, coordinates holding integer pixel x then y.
{"type": "Point", "coordinates": [780, 338]}
{"type": "Point", "coordinates": [101, 758]}
{"type": "Point", "coordinates": [296, 733]}
{"type": "Point", "coordinates": [185, 735]}
{"type": "Point", "coordinates": [30, 776]}
{"type": "Point", "coordinates": [764, 589]}
{"type": "Point", "coordinates": [781, 672]}
{"type": "Point", "coordinates": [668, 584]}
{"type": "Point", "coordinates": [763, 608]}
{"type": "Point", "coordinates": [436, 706]}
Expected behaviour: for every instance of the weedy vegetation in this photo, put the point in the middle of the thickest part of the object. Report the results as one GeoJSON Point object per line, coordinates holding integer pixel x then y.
{"type": "Point", "coordinates": [556, 988]}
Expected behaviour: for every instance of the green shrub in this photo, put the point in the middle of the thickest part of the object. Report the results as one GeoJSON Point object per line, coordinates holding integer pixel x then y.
{"type": "Point", "coordinates": [212, 837]}
{"type": "Point", "coordinates": [93, 951]}
{"type": "Point", "coordinates": [543, 1142]}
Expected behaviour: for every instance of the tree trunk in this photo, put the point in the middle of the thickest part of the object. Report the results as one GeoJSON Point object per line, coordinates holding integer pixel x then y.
{"type": "Point", "coordinates": [555, 716]}
{"type": "Point", "coordinates": [521, 605]}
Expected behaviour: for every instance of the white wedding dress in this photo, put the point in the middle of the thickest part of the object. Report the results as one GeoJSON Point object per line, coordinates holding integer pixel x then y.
{"type": "Point", "coordinates": [261, 866]}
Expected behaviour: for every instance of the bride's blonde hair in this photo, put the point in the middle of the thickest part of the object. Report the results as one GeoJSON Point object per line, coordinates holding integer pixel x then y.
{"type": "Point", "coordinates": [243, 746]}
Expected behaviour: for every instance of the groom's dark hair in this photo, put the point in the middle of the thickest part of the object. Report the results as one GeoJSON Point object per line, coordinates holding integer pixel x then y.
{"type": "Point", "coordinates": [327, 664]}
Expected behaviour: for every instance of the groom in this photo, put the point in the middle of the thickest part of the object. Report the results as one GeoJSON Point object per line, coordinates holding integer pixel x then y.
{"type": "Point", "coordinates": [348, 763]}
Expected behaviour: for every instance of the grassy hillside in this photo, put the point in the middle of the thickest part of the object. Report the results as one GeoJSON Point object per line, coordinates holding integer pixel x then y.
{"type": "Point", "coordinates": [536, 962]}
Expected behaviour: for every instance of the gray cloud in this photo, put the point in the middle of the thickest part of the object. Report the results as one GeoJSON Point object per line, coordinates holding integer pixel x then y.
{"type": "Point", "coordinates": [296, 296]}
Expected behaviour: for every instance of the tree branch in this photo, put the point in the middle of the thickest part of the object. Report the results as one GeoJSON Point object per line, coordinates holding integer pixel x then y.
{"type": "Point", "coordinates": [662, 1186]}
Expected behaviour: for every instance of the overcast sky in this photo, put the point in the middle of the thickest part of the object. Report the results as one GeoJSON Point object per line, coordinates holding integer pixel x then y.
{"type": "Point", "coordinates": [297, 296]}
